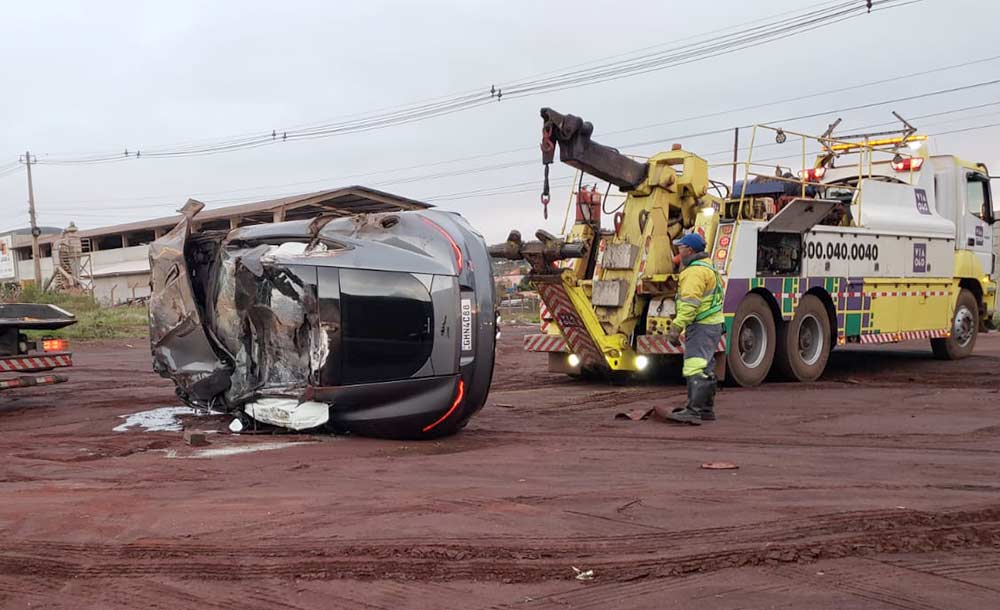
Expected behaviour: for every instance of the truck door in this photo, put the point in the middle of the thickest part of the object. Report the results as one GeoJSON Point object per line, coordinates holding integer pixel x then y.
{"type": "Point", "coordinates": [978, 219]}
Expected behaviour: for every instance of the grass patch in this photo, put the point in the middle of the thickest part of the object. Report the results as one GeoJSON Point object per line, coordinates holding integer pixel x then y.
{"type": "Point", "coordinates": [94, 321]}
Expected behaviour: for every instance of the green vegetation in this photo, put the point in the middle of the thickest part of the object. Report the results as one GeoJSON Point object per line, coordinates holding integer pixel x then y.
{"type": "Point", "coordinates": [95, 321]}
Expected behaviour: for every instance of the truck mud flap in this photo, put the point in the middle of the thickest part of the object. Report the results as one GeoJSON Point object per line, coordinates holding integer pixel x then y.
{"type": "Point", "coordinates": [577, 338]}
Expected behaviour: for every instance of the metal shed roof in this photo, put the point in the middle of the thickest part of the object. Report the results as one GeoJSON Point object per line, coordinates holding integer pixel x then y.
{"type": "Point", "coordinates": [348, 200]}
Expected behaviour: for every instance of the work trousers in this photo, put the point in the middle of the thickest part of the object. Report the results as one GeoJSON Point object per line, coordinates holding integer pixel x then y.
{"type": "Point", "coordinates": [700, 343]}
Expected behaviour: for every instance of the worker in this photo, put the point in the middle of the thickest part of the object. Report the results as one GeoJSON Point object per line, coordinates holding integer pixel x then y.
{"type": "Point", "coordinates": [699, 316]}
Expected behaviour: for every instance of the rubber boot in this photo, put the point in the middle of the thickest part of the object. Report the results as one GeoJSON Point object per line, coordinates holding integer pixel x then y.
{"type": "Point", "coordinates": [687, 404]}
{"type": "Point", "coordinates": [691, 413]}
{"type": "Point", "coordinates": [708, 409]}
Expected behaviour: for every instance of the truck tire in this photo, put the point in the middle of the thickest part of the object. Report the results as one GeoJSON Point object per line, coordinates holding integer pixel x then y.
{"type": "Point", "coordinates": [751, 342]}
{"type": "Point", "coordinates": [804, 343]}
{"type": "Point", "coordinates": [964, 330]}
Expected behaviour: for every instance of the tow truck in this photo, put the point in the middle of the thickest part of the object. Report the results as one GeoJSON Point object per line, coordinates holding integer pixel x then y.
{"type": "Point", "coordinates": [20, 355]}
{"type": "Point", "coordinates": [876, 241]}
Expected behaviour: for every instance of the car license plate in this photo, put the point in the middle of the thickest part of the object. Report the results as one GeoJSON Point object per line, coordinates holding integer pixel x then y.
{"type": "Point", "coordinates": [466, 325]}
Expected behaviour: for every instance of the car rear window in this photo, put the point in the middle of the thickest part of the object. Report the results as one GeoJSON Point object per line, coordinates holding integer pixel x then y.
{"type": "Point", "coordinates": [387, 322]}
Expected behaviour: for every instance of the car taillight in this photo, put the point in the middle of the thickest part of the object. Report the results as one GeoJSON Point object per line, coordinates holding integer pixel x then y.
{"type": "Point", "coordinates": [55, 345]}
{"type": "Point", "coordinates": [459, 395]}
{"type": "Point", "coordinates": [911, 164]}
{"type": "Point", "coordinates": [813, 175]}
{"type": "Point", "coordinates": [454, 246]}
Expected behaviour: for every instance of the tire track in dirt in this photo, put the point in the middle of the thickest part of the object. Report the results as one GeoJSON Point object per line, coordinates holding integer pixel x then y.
{"type": "Point", "coordinates": [513, 547]}
{"type": "Point", "coordinates": [616, 558]}
{"type": "Point", "coordinates": [820, 442]}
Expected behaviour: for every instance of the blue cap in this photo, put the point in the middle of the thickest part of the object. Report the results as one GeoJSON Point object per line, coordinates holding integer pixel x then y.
{"type": "Point", "coordinates": [692, 240]}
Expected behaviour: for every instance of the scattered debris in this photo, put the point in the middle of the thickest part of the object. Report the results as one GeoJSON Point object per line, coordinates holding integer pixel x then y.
{"type": "Point", "coordinates": [163, 419]}
{"type": "Point", "coordinates": [719, 466]}
{"type": "Point", "coordinates": [195, 438]}
{"type": "Point", "coordinates": [634, 414]}
{"type": "Point", "coordinates": [289, 412]}
{"type": "Point", "coordinates": [583, 574]}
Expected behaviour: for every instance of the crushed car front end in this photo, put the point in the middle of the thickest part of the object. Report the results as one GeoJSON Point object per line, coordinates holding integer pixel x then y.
{"type": "Point", "coordinates": [375, 324]}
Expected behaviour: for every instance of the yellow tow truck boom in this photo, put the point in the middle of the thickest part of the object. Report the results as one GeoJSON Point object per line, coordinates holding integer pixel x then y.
{"type": "Point", "coordinates": [631, 267]}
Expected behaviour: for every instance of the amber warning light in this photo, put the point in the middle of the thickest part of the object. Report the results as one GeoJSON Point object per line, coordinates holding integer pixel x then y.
{"type": "Point", "coordinates": [55, 345]}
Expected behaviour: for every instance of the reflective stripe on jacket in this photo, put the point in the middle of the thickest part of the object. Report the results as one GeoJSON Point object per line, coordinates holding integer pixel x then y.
{"type": "Point", "coordinates": [699, 294]}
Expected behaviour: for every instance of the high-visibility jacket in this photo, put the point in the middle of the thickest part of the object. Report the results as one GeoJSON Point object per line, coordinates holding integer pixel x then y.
{"type": "Point", "coordinates": [699, 294]}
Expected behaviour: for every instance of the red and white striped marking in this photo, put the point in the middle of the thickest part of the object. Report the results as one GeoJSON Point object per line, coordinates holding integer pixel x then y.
{"type": "Point", "coordinates": [24, 382]}
{"type": "Point", "coordinates": [658, 344]}
{"type": "Point", "coordinates": [904, 336]}
{"type": "Point", "coordinates": [544, 343]}
{"type": "Point", "coordinates": [910, 293]}
{"type": "Point", "coordinates": [572, 328]}
{"type": "Point", "coordinates": [880, 293]}
{"type": "Point", "coordinates": [600, 259]}
{"type": "Point", "coordinates": [544, 317]}
{"type": "Point", "coordinates": [34, 363]}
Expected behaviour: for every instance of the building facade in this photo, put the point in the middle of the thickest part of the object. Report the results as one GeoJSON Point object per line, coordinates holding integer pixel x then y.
{"type": "Point", "coordinates": [114, 260]}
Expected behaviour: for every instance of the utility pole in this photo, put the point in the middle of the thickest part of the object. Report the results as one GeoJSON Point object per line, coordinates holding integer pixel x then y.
{"type": "Point", "coordinates": [35, 232]}
{"type": "Point", "coordinates": [736, 152]}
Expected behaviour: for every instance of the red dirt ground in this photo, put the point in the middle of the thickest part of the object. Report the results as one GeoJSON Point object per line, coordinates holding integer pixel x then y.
{"type": "Point", "coordinates": [875, 488]}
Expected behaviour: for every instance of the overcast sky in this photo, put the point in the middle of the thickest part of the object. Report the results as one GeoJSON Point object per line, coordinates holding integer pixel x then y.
{"type": "Point", "coordinates": [108, 76]}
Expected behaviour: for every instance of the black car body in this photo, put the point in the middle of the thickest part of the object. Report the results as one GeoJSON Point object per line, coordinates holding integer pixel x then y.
{"type": "Point", "coordinates": [375, 324]}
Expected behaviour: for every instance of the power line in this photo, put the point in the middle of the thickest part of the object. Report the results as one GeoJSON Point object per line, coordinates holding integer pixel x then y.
{"type": "Point", "coordinates": [527, 162]}
{"type": "Point", "coordinates": [713, 47]}
{"type": "Point", "coordinates": [634, 144]}
{"type": "Point", "coordinates": [800, 98]}
{"type": "Point", "coordinates": [519, 187]}
{"type": "Point", "coordinates": [601, 72]}
{"type": "Point", "coordinates": [532, 185]}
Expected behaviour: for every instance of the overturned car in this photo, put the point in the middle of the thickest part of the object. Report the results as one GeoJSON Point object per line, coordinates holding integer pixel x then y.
{"type": "Point", "coordinates": [375, 324]}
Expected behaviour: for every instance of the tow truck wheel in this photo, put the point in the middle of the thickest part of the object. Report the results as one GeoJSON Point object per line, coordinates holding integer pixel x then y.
{"type": "Point", "coordinates": [964, 330]}
{"type": "Point", "coordinates": [751, 342]}
{"type": "Point", "coordinates": [804, 342]}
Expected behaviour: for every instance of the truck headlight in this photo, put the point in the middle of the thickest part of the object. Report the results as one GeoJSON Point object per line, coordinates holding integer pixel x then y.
{"type": "Point", "coordinates": [641, 362]}
{"type": "Point", "coordinates": [574, 360]}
